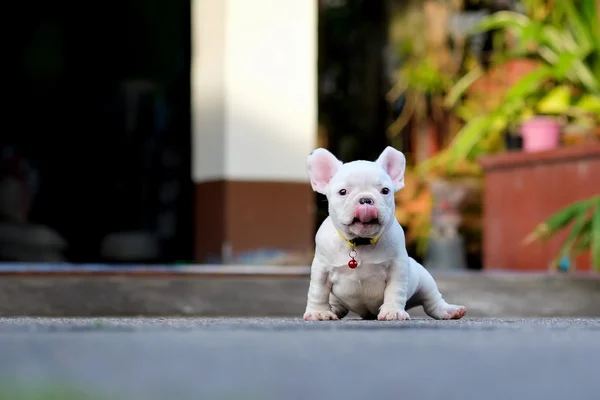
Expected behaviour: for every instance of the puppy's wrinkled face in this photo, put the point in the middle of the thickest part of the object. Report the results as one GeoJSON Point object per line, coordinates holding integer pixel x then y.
{"type": "Point", "coordinates": [360, 193]}
{"type": "Point", "coordinates": [361, 199]}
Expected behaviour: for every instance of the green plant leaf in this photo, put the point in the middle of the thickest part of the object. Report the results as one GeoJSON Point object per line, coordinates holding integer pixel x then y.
{"type": "Point", "coordinates": [530, 83]}
{"type": "Point", "coordinates": [548, 55]}
{"type": "Point", "coordinates": [461, 86]}
{"type": "Point", "coordinates": [586, 76]}
{"type": "Point", "coordinates": [574, 19]}
{"type": "Point", "coordinates": [564, 65]}
{"type": "Point", "coordinates": [559, 220]}
{"type": "Point", "coordinates": [475, 133]}
{"type": "Point", "coordinates": [531, 33]}
{"type": "Point", "coordinates": [468, 136]}
{"type": "Point", "coordinates": [559, 41]}
{"type": "Point", "coordinates": [557, 101]}
{"type": "Point", "coordinates": [595, 237]}
{"type": "Point", "coordinates": [590, 11]}
{"type": "Point", "coordinates": [589, 103]}
{"type": "Point", "coordinates": [579, 226]}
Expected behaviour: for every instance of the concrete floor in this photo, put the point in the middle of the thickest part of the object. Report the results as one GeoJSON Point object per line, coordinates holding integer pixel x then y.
{"type": "Point", "coordinates": [267, 294]}
{"type": "Point", "coordinates": [267, 358]}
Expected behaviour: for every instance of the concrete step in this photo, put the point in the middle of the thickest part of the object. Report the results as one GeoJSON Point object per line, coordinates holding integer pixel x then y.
{"type": "Point", "coordinates": [245, 291]}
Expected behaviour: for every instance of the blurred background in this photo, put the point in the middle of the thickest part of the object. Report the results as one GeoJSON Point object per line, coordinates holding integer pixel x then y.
{"type": "Point", "coordinates": [153, 164]}
{"type": "Point", "coordinates": [176, 132]}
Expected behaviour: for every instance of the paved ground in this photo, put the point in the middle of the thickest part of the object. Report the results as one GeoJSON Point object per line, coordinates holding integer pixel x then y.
{"type": "Point", "coordinates": [182, 359]}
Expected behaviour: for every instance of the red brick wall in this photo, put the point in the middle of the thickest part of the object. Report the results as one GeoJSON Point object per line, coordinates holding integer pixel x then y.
{"type": "Point", "coordinates": [523, 189]}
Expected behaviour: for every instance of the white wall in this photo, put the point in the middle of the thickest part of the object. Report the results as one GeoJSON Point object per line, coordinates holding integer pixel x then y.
{"type": "Point", "coordinates": [208, 83]}
{"type": "Point", "coordinates": [254, 77]}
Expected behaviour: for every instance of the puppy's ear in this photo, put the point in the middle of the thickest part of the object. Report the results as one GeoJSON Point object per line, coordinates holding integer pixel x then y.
{"type": "Point", "coordinates": [394, 163]}
{"type": "Point", "coordinates": [322, 166]}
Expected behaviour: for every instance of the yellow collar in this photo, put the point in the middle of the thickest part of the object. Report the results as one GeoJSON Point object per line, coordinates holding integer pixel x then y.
{"type": "Point", "coordinates": [359, 241]}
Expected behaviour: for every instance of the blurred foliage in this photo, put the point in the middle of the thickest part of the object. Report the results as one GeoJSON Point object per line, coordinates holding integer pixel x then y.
{"type": "Point", "coordinates": [562, 40]}
{"type": "Point", "coordinates": [429, 66]}
{"type": "Point", "coordinates": [413, 210]}
{"type": "Point", "coordinates": [557, 44]}
{"type": "Point", "coordinates": [584, 218]}
{"type": "Point", "coordinates": [427, 61]}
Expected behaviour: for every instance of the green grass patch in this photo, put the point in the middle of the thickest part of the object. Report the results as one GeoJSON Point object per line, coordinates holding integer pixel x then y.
{"type": "Point", "coordinates": [11, 391]}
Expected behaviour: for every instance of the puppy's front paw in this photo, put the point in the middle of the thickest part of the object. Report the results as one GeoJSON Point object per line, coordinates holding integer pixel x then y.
{"type": "Point", "coordinates": [387, 313]}
{"type": "Point", "coordinates": [319, 316]}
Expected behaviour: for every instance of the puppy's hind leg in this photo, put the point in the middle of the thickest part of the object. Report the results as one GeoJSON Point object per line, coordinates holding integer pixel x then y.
{"type": "Point", "coordinates": [433, 303]}
{"type": "Point", "coordinates": [337, 307]}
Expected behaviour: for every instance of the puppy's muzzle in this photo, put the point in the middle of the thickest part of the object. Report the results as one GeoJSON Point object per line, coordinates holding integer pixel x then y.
{"type": "Point", "coordinates": [366, 212]}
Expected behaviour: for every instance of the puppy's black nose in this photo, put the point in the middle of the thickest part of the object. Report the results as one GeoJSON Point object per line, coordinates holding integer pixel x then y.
{"type": "Point", "coordinates": [366, 200]}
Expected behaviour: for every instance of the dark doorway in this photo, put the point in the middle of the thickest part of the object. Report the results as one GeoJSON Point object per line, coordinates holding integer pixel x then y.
{"type": "Point", "coordinates": [100, 139]}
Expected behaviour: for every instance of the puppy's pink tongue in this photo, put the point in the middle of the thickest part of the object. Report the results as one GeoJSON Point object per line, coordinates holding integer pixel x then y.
{"type": "Point", "coordinates": [365, 213]}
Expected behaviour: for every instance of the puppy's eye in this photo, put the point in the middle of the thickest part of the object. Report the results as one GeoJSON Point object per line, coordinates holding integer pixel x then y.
{"type": "Point", "coordinates": [342, 192]}
{"type": "Point", "coordinates": [385, 191]}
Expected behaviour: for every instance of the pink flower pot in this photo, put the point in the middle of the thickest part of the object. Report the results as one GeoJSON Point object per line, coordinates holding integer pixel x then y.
{"type": "Point", "coordinates": [540, 134]}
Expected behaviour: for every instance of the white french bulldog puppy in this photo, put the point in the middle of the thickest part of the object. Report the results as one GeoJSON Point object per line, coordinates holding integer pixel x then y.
{"type": "Point", "coordinates": [361, 263]}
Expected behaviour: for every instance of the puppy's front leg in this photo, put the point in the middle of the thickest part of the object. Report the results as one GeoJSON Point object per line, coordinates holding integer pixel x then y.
{"type": "Point", "coordinates": [395, 295]}
{"type": "Point", "coordinates": [317, 305]}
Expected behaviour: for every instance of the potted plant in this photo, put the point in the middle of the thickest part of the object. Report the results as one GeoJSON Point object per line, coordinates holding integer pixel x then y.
{"type": "Point", "coordinates": [565, 42]}
{"type": "Point", "coordinates": [564, 109]}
